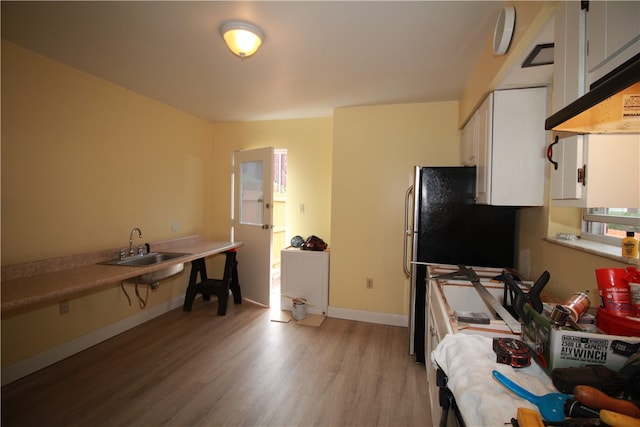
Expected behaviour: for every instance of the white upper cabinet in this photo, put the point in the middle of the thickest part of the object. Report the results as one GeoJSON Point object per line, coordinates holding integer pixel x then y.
{"type": "Point", "coordinates": [613, 35]}
{"type": "Point", "coordinates": [511, 148]}
{"type": "Point", "coordinates": [569, 83]}
{"type": "Point", "coordinates": [593, 170]}
{"type": "Point", "coordinates": [597, 171]}
{"type": "Point", "coordinates": [569, 60]}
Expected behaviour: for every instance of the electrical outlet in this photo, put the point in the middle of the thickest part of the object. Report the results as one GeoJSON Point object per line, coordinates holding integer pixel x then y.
{"type": "Point", "coordinates": [64, 307]}
{"type": "Point", "coordinates": [369, 283]}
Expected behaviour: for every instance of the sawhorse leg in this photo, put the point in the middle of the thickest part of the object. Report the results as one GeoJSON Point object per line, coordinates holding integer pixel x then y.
{"type": "Point", "coordinates": [198, 267]}
{"type": "Point", "coordinates": [235, 283]}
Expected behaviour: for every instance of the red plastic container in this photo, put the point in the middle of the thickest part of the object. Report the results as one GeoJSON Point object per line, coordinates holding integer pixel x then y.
{"type": "Point", "coordinates": [617, 325]}
{"type": "Point", "coordinates": [615, 297]}
{"type": "Point", "coordinates": [633, 277]}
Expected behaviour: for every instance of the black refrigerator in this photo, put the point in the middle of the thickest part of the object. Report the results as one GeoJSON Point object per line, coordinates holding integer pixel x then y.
{"type": "Point", "coordinates": [443, 225]}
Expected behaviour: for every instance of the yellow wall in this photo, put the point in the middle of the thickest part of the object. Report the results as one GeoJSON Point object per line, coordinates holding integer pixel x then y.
{"type": "Point", "coordinates": [491, 69]}
{"type": "Point", "coordinates": [374, 151]}
{"type": "Point", "coordinates": [84, 161]}
{"type": "Point", "coordinates": [570, 270]}
{"type": "Point", "coordinates": [573, 271]}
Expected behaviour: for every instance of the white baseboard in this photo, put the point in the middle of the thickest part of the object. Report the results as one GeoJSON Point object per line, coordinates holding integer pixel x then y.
{"type": "Point", "coordinates": [368, 316]}
{"type": "Point", "coordinates": [34, 363]}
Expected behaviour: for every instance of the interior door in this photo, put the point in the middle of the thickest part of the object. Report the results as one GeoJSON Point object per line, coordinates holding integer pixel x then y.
{"type": "Point", "coordinates": [252, 219]}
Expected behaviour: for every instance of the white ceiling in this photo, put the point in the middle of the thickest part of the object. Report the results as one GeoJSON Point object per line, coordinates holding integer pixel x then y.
{"type": "Point", "coordinates": [317, 55]}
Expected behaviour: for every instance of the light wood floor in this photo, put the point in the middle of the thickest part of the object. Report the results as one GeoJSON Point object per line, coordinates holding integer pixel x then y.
{"type": "Point", "coordinates": [190, 369]}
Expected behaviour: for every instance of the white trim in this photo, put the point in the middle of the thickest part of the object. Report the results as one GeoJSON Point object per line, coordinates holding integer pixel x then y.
{"type": "Point", "coordinates": [593, 226]}
{"type": "Point", "coordinates": [632, 221]}
{"type": "Point", "coordinates": [368, 316]}
{"type": "Point", "coordinates": [49, 357]}
{"type": "Point", "coordinates": [594, 248]}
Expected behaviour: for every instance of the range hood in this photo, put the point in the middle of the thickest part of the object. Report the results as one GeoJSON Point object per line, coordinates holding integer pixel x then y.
{"type": "Point", "coordinates": [612, 105]}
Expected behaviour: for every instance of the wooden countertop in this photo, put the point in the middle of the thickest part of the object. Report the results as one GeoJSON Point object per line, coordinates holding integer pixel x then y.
{"type": "Point", "coordinates": [58, 279]}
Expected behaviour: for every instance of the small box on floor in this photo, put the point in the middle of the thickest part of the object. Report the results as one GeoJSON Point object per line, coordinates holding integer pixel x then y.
{"type": "Point", "coordinates": [565, 348]}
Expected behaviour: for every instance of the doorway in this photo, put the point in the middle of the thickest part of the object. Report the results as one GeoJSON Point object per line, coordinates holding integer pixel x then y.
{"type": "Point", "coordinates": [259, 219]}
{"type": "Point", "coordinates": [279, 240]}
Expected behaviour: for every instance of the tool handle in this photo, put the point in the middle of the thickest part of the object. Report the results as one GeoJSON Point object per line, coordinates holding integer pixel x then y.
{"type": "Point", "coordinates": [525, 394]}
{"type": "Point", "coordinates": [534, 293]}
{"type": "Point", "coordinates": [594, 398]}
{"type": "Point", "coordinates": [615, 419]}
{"type": "Point", "coordinates": [529, 418]}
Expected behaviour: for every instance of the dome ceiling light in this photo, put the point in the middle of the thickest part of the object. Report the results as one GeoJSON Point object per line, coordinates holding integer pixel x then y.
{"type": "Point", "coordinates": [242, 38]}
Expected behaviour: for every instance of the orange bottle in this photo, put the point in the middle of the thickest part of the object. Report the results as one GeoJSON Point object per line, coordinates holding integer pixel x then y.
{"type": "Point", "coordinates": [630, 246]}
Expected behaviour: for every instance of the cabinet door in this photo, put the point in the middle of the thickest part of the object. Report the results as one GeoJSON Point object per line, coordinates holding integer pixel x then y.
{"type": "Point", "coordinates": [438, 325]}
{"type": "Point", "coordinates": [611, 166]}
{"type": "Point", "coordinates": [517, 148]}
{"type": "Point", "coordinates": [568, 153]}
{"type": "Point", "coordinates": [569, 57]}
{"type": "Point", "coordinates": [613, 171]}
{"type": "Point", "coordinates": [484, 140]}
{"type": "Point", "coordinates": [569, 83]}
{"type": "Point", "coordinates": [510, 142]}
{"type": "Point", "coordinates": [613, 34]}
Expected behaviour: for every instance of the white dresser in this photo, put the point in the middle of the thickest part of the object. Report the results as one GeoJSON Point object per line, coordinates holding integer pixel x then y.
{"type": "Point", "coordinates": [305, 274]}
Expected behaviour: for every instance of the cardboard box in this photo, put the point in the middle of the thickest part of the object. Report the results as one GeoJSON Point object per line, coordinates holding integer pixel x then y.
{"type": "Point", "coordinates": [565, 348]}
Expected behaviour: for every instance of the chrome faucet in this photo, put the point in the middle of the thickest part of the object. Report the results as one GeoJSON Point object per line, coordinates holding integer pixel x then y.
{"type": "Point", "coordinates": [131, 239]}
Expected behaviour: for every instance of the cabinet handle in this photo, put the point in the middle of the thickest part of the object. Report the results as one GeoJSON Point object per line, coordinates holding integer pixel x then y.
{"type": "Point", "coordinates": [582, 175]}
{"type": "Point", "coordinates": [550, 153]}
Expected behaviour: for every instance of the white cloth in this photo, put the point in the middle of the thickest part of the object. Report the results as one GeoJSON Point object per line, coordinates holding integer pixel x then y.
{"type": "Point", "coordinates": [468, 361]}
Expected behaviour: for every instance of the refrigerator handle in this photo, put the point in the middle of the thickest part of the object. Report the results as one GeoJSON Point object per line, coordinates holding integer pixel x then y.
{"type": "Point", "coordinates": [407, 230]}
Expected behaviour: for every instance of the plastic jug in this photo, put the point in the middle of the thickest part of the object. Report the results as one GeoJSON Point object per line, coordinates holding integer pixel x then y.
{"type": "Point", "coordinates": [613, 287]}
